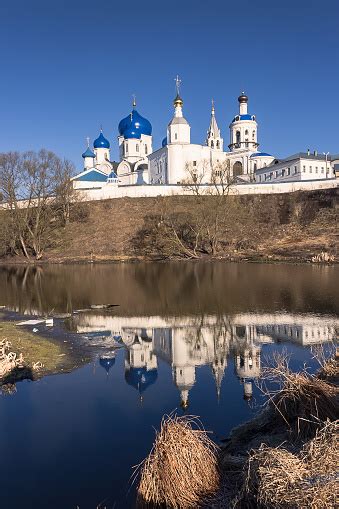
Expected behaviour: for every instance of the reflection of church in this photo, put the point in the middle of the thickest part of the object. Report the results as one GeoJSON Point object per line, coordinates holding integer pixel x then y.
{"type": "Point", "coordinates": [197, 342]}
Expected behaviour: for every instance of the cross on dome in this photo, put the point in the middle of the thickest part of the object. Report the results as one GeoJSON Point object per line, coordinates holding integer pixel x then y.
{"type": "Point", "coordinates": [177, 84]}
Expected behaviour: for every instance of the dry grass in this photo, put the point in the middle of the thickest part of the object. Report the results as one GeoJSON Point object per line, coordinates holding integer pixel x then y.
{"type": "Point", "coordinates": [8, 360]}
{"type": "Point", "coordinates": [181, 470]}
{"type": "Point", "coordinates": [329, 367]}
{"type": "Point", "coordinates": [301, 401]}
{"type": "Point", "coordinates": [278, 479]}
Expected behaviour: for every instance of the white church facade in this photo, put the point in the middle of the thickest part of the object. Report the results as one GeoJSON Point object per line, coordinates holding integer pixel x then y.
{"type": "Point", "coordinates": [178, 161]}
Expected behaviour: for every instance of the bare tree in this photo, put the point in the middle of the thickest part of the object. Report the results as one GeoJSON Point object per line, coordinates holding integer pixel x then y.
{"type": "Point", "coordinates": [37, 191]}
{"type": "Point", "coordinates": [211, 183]}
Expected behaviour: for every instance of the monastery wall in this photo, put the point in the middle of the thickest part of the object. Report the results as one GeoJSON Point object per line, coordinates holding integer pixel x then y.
{"type": "Point", "coordinates": [152, 191]}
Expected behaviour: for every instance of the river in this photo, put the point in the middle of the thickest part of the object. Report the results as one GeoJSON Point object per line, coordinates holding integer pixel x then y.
{"type": "Point", "coordinates": [191, 337]}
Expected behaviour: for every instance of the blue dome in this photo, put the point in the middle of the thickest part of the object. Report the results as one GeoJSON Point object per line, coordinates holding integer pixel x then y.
{"type": "Point", "coordinates": [107, 362]}
{"type": "Point", "coordinates": [140, 378]}
{"type": "Point", "coordinates": [261, 154]}
{"type": "Point", "coordinates": [134, 125]}
{"type": "Point", "coordinates": [88, 153]}
{"type": "Point", "coordinates": [164, 142]}
{"type": "Point", "coordinates": [101, 142]}
{"type": "Point", "coordinates": [243, 117]}
{"type": "Point", "coordinates": [112, 175]}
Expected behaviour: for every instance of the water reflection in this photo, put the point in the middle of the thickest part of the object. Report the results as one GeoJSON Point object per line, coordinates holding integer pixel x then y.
{"type": "Point", "coordinates": [201, 341]}
{"type": "Point", "coordinates": [187, 333]}
{"type": "Point", "coordinates": [173, 289]}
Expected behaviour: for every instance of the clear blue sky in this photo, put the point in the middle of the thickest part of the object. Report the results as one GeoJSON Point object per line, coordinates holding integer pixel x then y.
{"type": "Point", "coordinates": [67, 67]}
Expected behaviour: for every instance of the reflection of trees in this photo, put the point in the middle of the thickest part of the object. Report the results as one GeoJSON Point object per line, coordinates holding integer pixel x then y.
{"type": "Point", "coordinates": [173, 289]}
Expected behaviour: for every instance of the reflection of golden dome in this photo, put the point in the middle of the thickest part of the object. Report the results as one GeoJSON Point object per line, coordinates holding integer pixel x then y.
{"type": "Point", "coordinates": [178, 101]}
{"type": "Point", "coordinates": [184, 404]}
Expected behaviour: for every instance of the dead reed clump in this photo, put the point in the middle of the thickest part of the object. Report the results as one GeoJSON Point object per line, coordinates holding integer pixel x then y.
{"type": "Point", "coordinates": [272, 477]}
{"type": "Point", "coordinates": [181, 470]}
{"type": "Point", "coordinates": [302, 401]}
{"type": "Point", "coordinates": [329, 369]}
{"type": "Point", "coordinates": [278, 479]}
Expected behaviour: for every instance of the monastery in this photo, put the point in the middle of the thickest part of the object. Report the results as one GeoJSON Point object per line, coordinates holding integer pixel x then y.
{"type": "Point", "coordinates": [178, 161]}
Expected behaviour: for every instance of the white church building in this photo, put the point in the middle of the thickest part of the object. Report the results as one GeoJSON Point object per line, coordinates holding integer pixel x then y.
{"type": "Point", "coordinates": [178, 160]}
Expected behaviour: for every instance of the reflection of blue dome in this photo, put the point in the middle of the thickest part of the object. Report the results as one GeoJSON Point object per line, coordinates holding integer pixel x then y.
{"type": "Point", "coordinates": [101, 142]}
{"type": "Point", "coordinates": [140, 378]}
{"type": "Point", "coordinates": [88, 153]}
{"type": "Point", "coordinates": [134, 125]}
{"type": "Point", "coordinates": [107, 362]}
{"type": "Point", "coordinates": [164, 142]}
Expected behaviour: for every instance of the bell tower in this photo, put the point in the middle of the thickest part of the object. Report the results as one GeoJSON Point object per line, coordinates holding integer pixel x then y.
{"type": "Point", "coordinates": [214, 139]}
{"type": "Point", "coordinates": [243, 128]}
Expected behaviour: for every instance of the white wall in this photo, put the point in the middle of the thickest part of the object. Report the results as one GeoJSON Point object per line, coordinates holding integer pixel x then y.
{"type": "Point", "coordinates": [112, 191]}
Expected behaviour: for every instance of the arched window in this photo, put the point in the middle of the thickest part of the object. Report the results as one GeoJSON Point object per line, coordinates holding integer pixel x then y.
{"type": "Point", "coordinates": [246, 132]}
{"type": "Point", "coordinates": [218, 144]}
{"type": "Point", "coordinates": [255, 166]}
{"type": "Point", "coordinates": [137, 148]}
{"type": "Point", "coordinates": [145, 148]}
{"type": "Point", "coordinates": [237, 137]}
{"type": "Point", "coordinates": [253, 135]}
{"type": "Point", "coordinates": [237, 169]}
{"type": "Point", "coordinates": [212, 144]}
{"type": "Point", "coordinates": [175, 136]}
{"type": "Point", "coordinates": [126, 148]}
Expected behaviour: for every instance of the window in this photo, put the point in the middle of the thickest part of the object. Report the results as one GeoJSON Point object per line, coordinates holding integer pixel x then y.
{"type": "Point", "coordinates": [217, 143]}
{"type": "Point", "coordinates": [260, 178]}
{"type": "Point", "coordinates": [271, 175]}
{"type": "Point", "coordinates": [316, 169]}
{"type": "Point", "coordinates": [194, 163]}
{"type": "Point", "coordinates": [212, 144]}
{"type": "Point", "coordinates": [283, 172]}
{"type": "Point", "coordinates": [246, 132]}
{"type": "Point", "coordinates": [175, 136]}
{"type": "Point", "coordinates": [237, 135]}
{"type": "Point", "coordinates": [322, 170]}
{"type": "Point", "coordinates": [137, 148]}
{"type": "Point", "coordinates": [304, 169]}
{"type": "Point", "coordinates": [145, 148]}
{"type": "Point", "coordinates": [288, 171]}
{"type": "Point", "coordinates": [276, 174]}
{"type": "Point", "coordinates": [126, 148]}
{"type": "Point", "coordinates": [255, 166]}
{"type": "Point", "coordinates": [310, 169]}
{"type": "Point", "coordinates": [295, 170]}
{"type": "Point", "coordinates": [253, 135]}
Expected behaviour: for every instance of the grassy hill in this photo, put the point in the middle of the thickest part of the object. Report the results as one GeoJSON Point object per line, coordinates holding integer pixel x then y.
{"type": "Point", "coordinates": [294, 227]}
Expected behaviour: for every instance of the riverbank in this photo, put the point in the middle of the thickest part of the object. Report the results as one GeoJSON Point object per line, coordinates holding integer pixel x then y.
{"type": "Point", "coordinates": [285, 457]}
{"type": "Point", "coordinates": [39, 355]}
{"type": "Point", "coordinates": [296, 227]}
